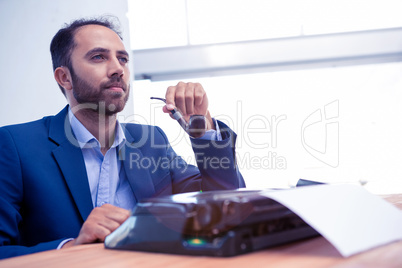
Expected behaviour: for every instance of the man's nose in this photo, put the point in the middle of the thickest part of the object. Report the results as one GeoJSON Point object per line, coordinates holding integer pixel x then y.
{"type": "Point", "coordinates": [115, 68]}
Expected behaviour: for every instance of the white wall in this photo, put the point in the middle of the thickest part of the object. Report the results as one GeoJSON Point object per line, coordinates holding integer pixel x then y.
{"type": "Point", "coordinates": [28, 90]}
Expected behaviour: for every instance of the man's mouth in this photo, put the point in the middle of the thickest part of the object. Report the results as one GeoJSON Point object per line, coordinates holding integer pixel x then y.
{"type": "Point", "coordinates": [118, 87]}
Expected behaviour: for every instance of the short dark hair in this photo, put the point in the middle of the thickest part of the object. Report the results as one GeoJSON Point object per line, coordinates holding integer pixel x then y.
{"type": "Point", "coordinates": [63, 43]}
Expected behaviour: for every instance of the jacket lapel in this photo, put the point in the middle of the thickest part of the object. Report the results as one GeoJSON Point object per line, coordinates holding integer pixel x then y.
{"type": "Point", "coordinates": [69, 157]}
{"type": "Point", "coordinates": [138, 177]}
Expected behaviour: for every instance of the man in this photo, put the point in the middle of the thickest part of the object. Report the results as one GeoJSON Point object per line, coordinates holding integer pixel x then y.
{"type": "Point", "coordinates": [73, 178]}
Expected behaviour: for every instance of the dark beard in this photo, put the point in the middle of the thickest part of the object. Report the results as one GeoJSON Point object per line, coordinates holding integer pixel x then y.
{"type": "Point", "coordinates": [85, 93]}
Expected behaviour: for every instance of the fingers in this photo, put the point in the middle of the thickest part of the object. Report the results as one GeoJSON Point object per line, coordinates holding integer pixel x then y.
{"type": "Point", "coordinates": [100, 223]}
{"type": "Point", "coordinates": [188, 98]}
{"type": "Point", "coordinates": [167, 108]}
{"type": "Point", "coordinates": [170, 96]}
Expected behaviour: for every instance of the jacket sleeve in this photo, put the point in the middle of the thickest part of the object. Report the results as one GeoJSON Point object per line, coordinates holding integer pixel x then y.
{"type": "Point", "coordinates": [8, 251]}
{"type": "Point", "coordinates": [216, 165]}
{"type": "Point", "coordinates": [216, 161]}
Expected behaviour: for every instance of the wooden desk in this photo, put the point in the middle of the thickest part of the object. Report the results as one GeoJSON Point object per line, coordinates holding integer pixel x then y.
{"type": "Point", "coordinates": [315, 252]}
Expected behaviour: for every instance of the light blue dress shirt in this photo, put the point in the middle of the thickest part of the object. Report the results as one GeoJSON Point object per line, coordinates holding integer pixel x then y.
{"type": "Point", "coordinates": [106, 177]}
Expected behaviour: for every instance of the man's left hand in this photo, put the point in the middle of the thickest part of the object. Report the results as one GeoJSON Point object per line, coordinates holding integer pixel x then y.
{"type": "Point", "coordinates": [189, 99]}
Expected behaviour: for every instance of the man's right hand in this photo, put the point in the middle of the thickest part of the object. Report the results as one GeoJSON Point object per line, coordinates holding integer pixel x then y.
{"type": "Point", "coordinates": [101, 222]}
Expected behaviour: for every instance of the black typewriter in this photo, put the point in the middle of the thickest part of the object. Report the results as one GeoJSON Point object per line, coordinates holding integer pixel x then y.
{"type": "Point", "coordinates": [217, 223]}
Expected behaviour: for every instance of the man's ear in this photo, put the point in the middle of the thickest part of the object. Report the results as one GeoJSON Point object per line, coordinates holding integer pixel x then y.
{"type": "Point", "coordinates": [63, 77]}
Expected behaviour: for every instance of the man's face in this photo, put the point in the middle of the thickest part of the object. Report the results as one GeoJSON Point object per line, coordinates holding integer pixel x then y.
{"type": "Point", "coordinates": [100, 73]}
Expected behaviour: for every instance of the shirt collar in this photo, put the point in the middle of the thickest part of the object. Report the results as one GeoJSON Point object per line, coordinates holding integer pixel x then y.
{"type": "Point", "coordinates": [86, 140]}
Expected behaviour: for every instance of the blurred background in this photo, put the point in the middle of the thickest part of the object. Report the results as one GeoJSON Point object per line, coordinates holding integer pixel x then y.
{"type": "Point", "coordinates": [311, 87]}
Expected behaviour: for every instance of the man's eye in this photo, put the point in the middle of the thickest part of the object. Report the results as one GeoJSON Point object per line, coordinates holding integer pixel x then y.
{"type": "Point", "coordinates": [124, 59]}
{"type": "Point", "coordinates": [97, 57]}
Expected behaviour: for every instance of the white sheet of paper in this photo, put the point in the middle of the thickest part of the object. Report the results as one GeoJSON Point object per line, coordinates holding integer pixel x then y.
{"type": "Point", "coordinates": [349, 217]}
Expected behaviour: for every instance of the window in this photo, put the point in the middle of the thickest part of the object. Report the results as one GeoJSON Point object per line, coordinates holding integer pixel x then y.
{"type": "Point", "coordinates": [356, 139]}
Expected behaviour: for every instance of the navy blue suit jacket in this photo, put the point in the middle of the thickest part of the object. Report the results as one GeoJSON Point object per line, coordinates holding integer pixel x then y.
{"type": "Point", "coordinates": [44, 190]}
